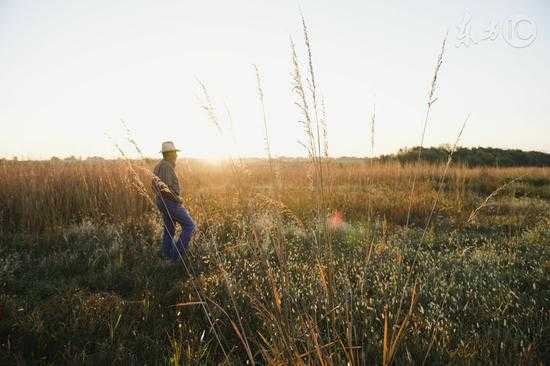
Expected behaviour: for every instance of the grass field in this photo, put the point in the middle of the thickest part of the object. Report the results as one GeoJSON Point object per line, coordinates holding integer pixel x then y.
{"type": "Point", "coordinates": [364, 271]}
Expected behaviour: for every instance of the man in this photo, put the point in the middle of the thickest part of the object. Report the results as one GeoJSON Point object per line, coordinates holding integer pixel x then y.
{"type": "Point", "coordinates": [166, 186]}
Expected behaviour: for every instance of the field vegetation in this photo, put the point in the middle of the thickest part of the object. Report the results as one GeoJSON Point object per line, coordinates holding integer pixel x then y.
{"type": "Point", "coordinates": [265, 279]}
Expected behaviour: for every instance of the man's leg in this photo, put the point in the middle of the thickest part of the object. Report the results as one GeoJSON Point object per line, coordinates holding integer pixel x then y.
{"type": "Point", "coordinates": [181, 215]}
{"type": "Point", "coordinates": [167, 248]}
{"type": "Point", "coordinates": [167, 237]}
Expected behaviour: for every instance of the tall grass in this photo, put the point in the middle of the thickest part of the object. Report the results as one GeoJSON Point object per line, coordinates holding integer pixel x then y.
{"type": "Point", "coordinates": [264, 120]}
{"type": "Point", "coordinates": [253, 258]}
{"type": "Point", "coordinates": [431, 100]}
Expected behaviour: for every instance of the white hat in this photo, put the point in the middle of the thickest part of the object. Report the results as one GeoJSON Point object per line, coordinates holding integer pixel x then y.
{"type": "Point", "coordinates": [168, 146]}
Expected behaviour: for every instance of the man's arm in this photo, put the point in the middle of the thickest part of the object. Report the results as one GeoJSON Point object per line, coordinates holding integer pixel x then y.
{"type": "Point", "coordinates": [160, 187]}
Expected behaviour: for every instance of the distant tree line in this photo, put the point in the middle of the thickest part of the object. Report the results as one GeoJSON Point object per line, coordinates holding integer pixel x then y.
{"type": "Point", "coordinates": [476, 156]}
{"type": "Point", "coordinates": [472, 157]}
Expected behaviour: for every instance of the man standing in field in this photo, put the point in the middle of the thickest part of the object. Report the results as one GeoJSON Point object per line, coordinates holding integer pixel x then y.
{"type": "Point", "coordinates": [166, 187]}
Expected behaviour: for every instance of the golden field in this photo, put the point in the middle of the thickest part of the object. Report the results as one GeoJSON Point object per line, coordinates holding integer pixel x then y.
{"type": "Point", "coordinates": [362, 269]}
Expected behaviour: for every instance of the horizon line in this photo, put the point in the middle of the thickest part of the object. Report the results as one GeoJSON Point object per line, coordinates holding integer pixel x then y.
{"type": "Point", "coordinates": [250, 157]}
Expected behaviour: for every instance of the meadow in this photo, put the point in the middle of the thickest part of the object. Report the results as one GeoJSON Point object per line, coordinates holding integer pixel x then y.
{"type": "Point", "coordinates": [366, 271]}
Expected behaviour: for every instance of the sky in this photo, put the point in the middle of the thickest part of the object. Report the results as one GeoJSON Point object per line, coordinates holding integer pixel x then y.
{"type": "Point", "coordinates": [71, 70]}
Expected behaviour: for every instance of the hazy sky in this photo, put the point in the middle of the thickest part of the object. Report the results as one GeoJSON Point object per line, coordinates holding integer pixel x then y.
{"type": "Point", "coordinates": [69, 70]}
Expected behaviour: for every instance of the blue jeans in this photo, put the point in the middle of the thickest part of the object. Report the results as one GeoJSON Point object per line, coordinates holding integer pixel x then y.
{"type": "Point", "coordinates": [172, 213]}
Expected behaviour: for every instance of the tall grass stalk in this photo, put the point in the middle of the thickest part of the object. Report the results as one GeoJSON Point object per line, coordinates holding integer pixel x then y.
{"type": "Point", "coordinates": [372, 119]}
{"type": "Point", "coordinates": [238, 167]}
{"type": "Point", "coordinates": [473, 214]}
{"type": "Point", "coordinates": [313, 93]}
{"type": "Point", "coordinates": [431, 100]}
{"type": "Point", "coordinates": [264, 120]}
{"type": "Point", "coordinates": [315, 125]}
{"type": "Point", "coordinates": [310, 144]}
{"type": "Point", "coordinates": [307, 103]}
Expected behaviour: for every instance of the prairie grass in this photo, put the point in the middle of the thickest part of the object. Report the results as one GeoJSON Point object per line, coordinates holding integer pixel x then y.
{"type": "Point", "coordinates": [81, 281]}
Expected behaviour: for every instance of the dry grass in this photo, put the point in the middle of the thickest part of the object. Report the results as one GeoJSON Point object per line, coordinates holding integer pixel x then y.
{"type": "Point", "coordinates": [269, 293]}
{"type": "Point", "coordinates": [71, 192]}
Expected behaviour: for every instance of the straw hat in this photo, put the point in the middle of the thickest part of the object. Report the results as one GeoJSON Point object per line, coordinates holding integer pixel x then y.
{"type": "Point", "coordinates": [168, 146]}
